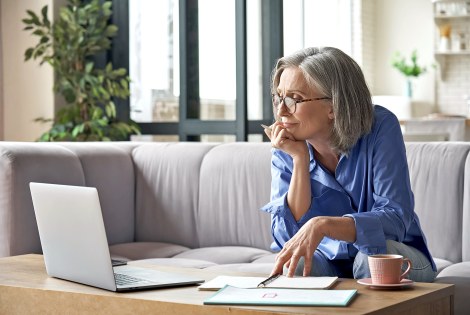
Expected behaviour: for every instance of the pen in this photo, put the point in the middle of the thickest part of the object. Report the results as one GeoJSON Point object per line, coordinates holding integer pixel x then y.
{"type": "Point", "coordinates": [264, 283]}
{"type": "Point", "coordinates": [266, 127]}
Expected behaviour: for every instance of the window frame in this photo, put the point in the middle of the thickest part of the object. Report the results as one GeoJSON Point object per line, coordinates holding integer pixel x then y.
{"type": "Point", "coordinates": [190, 127]}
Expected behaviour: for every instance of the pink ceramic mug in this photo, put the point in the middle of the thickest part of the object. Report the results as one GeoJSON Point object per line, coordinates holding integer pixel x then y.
{"type": "Point", "coordinates": [386, 269]}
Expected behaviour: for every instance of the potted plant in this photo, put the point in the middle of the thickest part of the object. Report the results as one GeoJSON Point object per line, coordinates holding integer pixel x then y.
{"type": "Point", "coordinates": [68, 44]}
{"type": "Point", "coordinates": [409, 70]}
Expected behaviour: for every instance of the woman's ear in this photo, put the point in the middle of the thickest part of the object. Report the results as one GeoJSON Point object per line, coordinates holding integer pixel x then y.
{"type": "Point", "coordinates": [331, 113]}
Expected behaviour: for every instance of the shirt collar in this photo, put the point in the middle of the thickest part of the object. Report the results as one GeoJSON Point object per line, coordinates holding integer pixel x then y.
{"type": "Point", "coordinates": [321, 175]}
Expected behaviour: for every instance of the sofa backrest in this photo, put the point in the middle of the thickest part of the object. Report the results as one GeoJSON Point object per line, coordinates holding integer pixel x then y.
{"type": "Point", "coordinates": [167, 191]}
{"type": "Point", "coordinates": [198, 194]}
{"type": "Point", "coordinates": [105, 166]}
{"type": "Point", "coordinates": [235, 183]}
{"type": "Point", "coordinates": [438, 180]}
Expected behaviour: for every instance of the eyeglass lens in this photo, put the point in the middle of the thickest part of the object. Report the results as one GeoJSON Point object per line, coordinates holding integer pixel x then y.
{"type": "Point", "coordinates": [288, 101]}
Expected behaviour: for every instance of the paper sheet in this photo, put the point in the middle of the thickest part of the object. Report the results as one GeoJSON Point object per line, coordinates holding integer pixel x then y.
{"type": "Point", "coordinates": [281, 282]}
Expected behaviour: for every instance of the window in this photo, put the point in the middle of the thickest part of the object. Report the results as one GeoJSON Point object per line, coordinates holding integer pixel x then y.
{"type": "Point", "coordinates": [317, 23]}
{"type": "Point", "coordinates": [196, 75]}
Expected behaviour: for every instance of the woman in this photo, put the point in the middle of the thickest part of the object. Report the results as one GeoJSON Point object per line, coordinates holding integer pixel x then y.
{"type": "Point", "coordinates": [340, 182]}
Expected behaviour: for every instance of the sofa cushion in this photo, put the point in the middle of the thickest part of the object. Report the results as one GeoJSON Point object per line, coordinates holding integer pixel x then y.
{"type": "Point", "coordinates": [271, 259]}
{"type": "Point", "coordinates": [167, 188]}
{"type": "Point", "coordinates": [441, 264]}
{"type": "Point", "coordinates": [225, 254]}
{"type": "Point", "coordinates": [437, 180]}
{"type": "Point", "coordinates": [235, 183]}
{"type": "Point", "coordinates": [459, 275]}
{"type": "Point", "coordinates": [179, 262]}
{"type": "Point", "coordinates": [259, 269]}
{"type": "Point", "coordinates": [144, 250]}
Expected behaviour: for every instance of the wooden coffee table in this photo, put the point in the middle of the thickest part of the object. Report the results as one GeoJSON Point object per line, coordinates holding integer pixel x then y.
{"type": "Point", "coordinates": [25, 288]}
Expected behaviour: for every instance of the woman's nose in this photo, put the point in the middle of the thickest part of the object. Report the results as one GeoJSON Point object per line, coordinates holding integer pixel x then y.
{"type": "Point", "coordinates": [283, 110]}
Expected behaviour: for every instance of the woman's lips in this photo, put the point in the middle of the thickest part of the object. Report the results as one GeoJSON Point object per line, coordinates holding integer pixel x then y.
{"type": "Point", "coordinates": [288, 125]}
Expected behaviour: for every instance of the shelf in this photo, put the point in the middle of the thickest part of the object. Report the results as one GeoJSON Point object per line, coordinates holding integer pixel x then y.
{"type": "Point", "coordinates": [441, 58]}
{"type": "Point", "coordinates": [451, 14]}
{"type": "Point", "coordinates": [452, 53]}
{"type": "Point", "coordinates": [451, 17]}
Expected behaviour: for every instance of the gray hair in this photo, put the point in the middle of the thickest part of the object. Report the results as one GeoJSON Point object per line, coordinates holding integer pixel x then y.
{"type": "Point", "coordinates": [339, 77]}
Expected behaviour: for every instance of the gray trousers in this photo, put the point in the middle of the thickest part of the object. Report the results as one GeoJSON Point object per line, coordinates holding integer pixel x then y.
{"type": "Point", "coordinates": [421, 269]}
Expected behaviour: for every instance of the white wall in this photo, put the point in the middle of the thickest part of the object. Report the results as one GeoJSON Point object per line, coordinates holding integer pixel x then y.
{"type": "Point", "coordinates": [404, 25]}
{"type": "Point", "coordinates": [27, 88]}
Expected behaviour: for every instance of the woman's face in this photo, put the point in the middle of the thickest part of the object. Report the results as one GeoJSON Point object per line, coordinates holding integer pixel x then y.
{"type": "Point", "coordinates": [312, 120]}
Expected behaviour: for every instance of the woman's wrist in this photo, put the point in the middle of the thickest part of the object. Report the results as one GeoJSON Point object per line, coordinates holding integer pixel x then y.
{"type": "Point", "coordinates": [338, 228]}
{"type": "Point", "coordinates": [301, 159]}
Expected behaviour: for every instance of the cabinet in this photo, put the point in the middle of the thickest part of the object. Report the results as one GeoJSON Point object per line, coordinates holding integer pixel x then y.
{"type": "Point", "coordinates": [452, 36]}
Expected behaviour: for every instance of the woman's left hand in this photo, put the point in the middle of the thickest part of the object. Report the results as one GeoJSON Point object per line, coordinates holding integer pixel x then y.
{"type": "Point", "coordinates": [302, 244]}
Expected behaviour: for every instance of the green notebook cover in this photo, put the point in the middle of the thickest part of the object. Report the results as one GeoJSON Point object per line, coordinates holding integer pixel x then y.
{"type": "Point", "coordinates": [229, 295]}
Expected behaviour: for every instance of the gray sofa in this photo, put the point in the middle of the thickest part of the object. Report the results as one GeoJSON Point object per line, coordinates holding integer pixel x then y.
{"type": "Point", "coordinates": [197, 204]}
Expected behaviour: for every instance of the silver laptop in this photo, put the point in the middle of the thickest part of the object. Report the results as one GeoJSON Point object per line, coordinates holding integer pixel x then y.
{"type": "Point", "coordinates": [75, 246]}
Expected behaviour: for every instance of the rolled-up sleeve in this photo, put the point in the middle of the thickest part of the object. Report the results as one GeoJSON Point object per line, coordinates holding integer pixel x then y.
{"type": "Point", "coordinates": [392, 210]}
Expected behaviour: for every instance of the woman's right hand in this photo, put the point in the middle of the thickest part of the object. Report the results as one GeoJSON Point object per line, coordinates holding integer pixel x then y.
{"type": "Point", "coordinates": [282, 139]}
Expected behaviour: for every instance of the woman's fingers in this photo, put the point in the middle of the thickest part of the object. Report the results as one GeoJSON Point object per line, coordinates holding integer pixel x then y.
{"type": "Point", "coordinates": [268, 132]}
{"type": "Point", "coordinates": [293, 262]}
{"type": "Point", "coordinates": [280, 136]}
{"type": "Point", "coordinates": [307, 265]}
{"type": "Point", "coordinates": [278, 267]}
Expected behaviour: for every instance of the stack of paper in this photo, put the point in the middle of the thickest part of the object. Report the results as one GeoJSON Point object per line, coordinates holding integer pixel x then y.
{"type": "Point", "coordinates": [278, 282]}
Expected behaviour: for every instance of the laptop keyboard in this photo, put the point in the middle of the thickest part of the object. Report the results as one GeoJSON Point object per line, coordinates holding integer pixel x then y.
{"type": "Point", "coordinates": [122, 279]}
{"type": "Point", "coordinates": [117, 262]}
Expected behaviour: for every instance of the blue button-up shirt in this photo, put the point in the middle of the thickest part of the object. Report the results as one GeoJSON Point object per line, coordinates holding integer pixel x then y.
{"type": "Point", "coordinates": [371, 185]}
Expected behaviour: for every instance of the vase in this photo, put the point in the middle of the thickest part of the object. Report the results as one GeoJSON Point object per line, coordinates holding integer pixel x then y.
{"type": "Point", "coordinates": [409, 88]}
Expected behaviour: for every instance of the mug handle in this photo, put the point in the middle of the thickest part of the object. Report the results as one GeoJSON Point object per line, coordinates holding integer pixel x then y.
{"type": "Point", "coordinates": [407, 269]}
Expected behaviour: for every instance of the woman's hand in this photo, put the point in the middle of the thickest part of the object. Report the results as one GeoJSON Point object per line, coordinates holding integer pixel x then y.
{"type": "Point", "coordinates": [306, 240]}
{"type": "Point", "coordinates": [302, 244]}
{"type": "Point", "coordinates": [285, 141]}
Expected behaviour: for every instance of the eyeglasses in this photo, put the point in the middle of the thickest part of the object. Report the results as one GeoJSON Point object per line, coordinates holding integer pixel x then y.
{"type": "Point", "coordinates": [291, 103]}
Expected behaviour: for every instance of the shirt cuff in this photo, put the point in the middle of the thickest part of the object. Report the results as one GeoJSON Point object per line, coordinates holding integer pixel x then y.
{"type": "Point", "coordinates": [370, 238]}
{"type": "Point", "coordinates": [279, 207]}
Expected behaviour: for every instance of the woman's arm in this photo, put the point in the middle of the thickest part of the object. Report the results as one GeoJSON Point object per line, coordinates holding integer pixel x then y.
{"type": "Point", "coordinates": [299, 195]}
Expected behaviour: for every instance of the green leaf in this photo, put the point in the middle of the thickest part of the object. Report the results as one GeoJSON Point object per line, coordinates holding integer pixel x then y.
{"type": "Point", "coordinates": [111, 110]}
{"type": "Point", "coordinates": [45, 20]}
{"type": "Point", "coordinates": [120, 72]}
{"type": "Point", "coordinates": [89, 67]}
{"type": "Point", "coordinates": [111, 30]}
{"type": "Point", "coordinates": [28, 53]}
{"type": "Point", "coordinates": [38, 32]}
{"type": "Point", "coordinates": [34, 17]}
{"type": "Point", "coordinates": [27, 22]}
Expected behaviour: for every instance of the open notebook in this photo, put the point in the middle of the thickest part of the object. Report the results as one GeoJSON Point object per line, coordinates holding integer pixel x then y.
{"type": "Point", "coordinates": [279, 281]}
